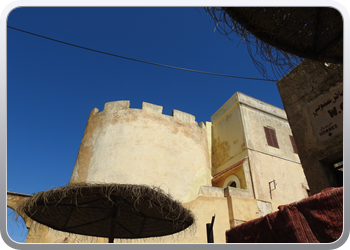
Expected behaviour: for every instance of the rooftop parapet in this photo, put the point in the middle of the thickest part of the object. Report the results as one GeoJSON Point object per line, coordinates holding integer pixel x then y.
{"type": "Point", "coordinates": [240, 98]}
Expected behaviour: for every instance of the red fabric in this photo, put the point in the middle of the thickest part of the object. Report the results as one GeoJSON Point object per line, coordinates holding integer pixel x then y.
{"type": "Point", "coordinates": [318, 218]}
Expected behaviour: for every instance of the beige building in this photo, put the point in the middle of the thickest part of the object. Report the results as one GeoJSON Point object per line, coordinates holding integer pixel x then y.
{"type": "Point", "coordinates": [253, 155]}
{"type": "Point", "coordinates": [238, 167]}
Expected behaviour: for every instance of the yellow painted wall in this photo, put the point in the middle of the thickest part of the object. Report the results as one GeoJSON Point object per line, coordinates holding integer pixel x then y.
{"type": "Point", "coordinates": [228, 136]}
{"type": "Point", "coordinates": [243, 209]}
{"type": "Point", "coordinates": [204, 208]}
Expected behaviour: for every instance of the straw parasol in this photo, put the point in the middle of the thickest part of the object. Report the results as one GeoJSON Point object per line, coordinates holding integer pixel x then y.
{"type": "Point", "coordinates": [108, 210]}
{"type": "Point", "coordinates": [284, 36]}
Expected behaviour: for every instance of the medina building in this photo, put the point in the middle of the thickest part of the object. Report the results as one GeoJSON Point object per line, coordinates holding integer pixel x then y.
{"type": "Point", "coordinates": [240, 166]}
{"type": "Point", "coordinates": [255, 159]}
{"type": "Point", "coordinates": [312, 95]}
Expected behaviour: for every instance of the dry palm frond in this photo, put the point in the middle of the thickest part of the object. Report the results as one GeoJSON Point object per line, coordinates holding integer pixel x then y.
{"type": "Point", "coordinates": [85, 208]}
{"type": "Point", "coordinates": [284, 36]}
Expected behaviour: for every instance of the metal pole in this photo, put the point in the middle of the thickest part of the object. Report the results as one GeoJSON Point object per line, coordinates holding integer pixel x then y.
{"type": "Point", "coordinates": [112, 225]}
{"type": "Point", "coordinates": [210, 235]}
{"type": "Point", "coordinates": [274, 182]}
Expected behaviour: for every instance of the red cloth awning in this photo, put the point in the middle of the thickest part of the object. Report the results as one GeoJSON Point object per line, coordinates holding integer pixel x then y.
{"type": "Point", "coordinates": [317, 219]}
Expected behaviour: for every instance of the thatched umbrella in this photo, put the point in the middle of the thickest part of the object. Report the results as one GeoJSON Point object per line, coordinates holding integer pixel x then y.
{"type": "Point", "coordinates": [108, 210]}
{"type": "Point", "coordinates": [284, 36]}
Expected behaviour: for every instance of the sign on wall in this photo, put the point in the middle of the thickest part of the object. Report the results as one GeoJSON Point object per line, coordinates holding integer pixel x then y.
{"type": "Point", "coordinates": [326, 115]}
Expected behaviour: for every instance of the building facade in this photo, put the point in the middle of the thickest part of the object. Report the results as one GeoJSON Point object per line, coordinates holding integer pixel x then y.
{"type": "Point", "coordinates": [312, 95]}
{"type": "Point", "coordinates": [254, 156]}
{"type": "Point", "coordinates": [240, 166]}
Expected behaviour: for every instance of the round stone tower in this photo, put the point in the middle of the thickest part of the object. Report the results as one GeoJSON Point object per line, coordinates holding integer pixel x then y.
{"type": "Point", "coordinates": [143, 146]}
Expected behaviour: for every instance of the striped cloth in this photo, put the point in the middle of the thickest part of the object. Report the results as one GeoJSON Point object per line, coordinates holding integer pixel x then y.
{"type": "Point", "coordinates": [317, 219]}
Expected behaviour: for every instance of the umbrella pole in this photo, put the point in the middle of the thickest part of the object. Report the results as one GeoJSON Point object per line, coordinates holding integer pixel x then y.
{"type": "Point", "coordinates": [112, 226]}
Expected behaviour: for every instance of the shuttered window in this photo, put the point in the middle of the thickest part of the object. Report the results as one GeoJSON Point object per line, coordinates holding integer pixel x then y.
{"type": "Point", "coordinates": [271, 137]}
{"type": "Point", "coordinates": [293, 144]}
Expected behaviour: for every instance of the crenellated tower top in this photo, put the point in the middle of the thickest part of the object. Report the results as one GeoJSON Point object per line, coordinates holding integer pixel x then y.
{"type": "Point", "coordinates": [163, 150]}
{"type": "Point", "coordinates": [121, 107]}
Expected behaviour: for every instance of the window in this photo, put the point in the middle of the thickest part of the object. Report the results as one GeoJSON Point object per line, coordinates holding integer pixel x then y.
{"type": "Point", "coordinates": [232, 181]}
{"type": "Point", "coordinates": [233, 184]}
{"type": "Point", "coordinates": [293, 144]}
{"type": "Point", "coordinates": [271, 137]}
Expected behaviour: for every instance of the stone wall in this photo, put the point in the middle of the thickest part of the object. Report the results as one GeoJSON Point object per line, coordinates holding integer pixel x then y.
{"type": "Point", "coordinates": [312, 95]}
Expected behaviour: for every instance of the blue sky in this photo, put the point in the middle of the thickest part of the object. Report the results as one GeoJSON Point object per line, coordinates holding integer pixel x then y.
{"type": "Point", "coordinates": [53, 87]}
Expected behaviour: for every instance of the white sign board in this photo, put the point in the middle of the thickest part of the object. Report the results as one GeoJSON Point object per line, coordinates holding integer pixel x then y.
{"type": "Point", "coordinates": [326, 115]}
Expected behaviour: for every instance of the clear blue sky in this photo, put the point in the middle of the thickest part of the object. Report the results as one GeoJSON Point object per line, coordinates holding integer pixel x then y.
{"type": "Point", "coordinates": [52, 87]}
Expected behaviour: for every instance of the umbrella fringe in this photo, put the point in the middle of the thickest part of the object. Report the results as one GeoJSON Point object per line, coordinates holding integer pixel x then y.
{"type": "Point", "coordinates": [283, 36]}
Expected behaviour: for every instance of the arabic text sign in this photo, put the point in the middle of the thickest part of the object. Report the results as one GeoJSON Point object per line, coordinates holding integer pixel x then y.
{"type": "Point", "coordinates": [326, 115]}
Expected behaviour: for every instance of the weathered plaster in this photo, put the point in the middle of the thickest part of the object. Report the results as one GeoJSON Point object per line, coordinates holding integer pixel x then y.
{"type": "Point", "coordinates": [161, 149]}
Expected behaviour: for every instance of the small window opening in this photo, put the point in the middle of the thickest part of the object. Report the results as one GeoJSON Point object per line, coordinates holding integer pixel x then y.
{"type": "Point", "coordinates": [233, 184]}
{"type": "Point", "coordinates": [271, 137]}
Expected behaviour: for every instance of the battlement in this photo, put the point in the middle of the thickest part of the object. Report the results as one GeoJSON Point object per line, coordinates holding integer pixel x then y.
{"type": "Point", "coordinates": [179, 116]}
